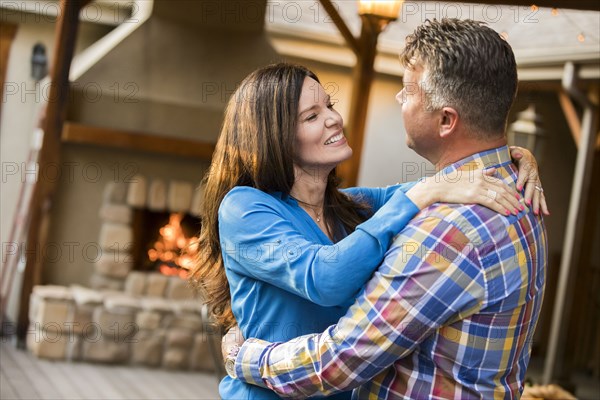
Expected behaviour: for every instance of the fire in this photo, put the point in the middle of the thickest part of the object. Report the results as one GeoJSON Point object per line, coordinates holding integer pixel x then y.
{"type": "Point", "coordinates": [173, 250]}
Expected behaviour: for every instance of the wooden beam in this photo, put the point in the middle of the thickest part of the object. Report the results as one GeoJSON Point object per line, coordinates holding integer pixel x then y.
{"type": "Point", "coordinates": [106, 137]}
{"type": "Point", "coordinates": [571, 251]}
{"type": "Point", "coordinates": [593, 5]}
{"type": "Point", "coordinates": [38, 220]}
{"type": "Point", "coordinates": [351, 41]}
{"type": "Point", "coordinates": [571, 116]}
{"type": "Point", "coordinates": [7, 34]}
{"type": "Point", "coordinates": [363, 75]}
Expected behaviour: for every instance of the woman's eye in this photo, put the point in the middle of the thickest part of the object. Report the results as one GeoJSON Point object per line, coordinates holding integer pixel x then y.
{"type": "Point", "coordinates": [312, 117]}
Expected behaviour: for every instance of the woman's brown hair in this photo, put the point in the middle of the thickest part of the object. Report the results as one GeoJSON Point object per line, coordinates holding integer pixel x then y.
{"type": "Point", "coordinates": [256, 149]}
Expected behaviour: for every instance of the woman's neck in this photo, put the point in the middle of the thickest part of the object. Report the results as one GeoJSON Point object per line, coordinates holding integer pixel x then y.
{"type": "Point", "coordinates": [309, 188]}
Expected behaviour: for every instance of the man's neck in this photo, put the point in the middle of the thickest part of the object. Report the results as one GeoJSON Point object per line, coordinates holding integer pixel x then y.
{"type": "Point", "coordinates": [466, 148]}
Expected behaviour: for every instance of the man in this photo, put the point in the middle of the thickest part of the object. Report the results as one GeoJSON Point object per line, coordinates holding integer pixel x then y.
{"type": "Point", "coordinates": [451, 311]}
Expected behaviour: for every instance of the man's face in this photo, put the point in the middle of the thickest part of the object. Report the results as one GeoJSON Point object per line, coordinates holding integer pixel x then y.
{"type": "Point", "coordinates": [421, 124]}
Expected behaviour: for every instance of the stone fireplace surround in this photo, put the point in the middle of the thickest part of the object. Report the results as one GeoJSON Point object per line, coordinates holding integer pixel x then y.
{"type": "Point", "coordinates": [116, 233]}
{"type": "Point", "coordinates": [126, 316]}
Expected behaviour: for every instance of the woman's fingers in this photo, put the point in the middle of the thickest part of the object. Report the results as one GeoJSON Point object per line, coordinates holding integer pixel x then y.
{"type": "Point", "coordinates": [489, 171]}
{"type": "Point", "coordinates": [493, 193]}
{"type": "Point", "coordinates": [530, 190]}
{"type": "Point", "coordinates": [485, 200]}
{"type": "Point", "coordinates": [523, 176]}
{"type": "Point", "coordinates": [500, 197]}
{"type": "Point", "coordinates": [527, 164]}
{"type": "Point", "coordinates": [535, 203]}
{"type": "Point", "coordinates": [503, 194]}
{"type": "Point", "coordinates": [539, 200]}
{"type": "Point", "coordinates": [543, 205]}
{"type": "Point", "coordinates": [507, 202]}
{"type": "Point", "coordinates": [517, 154]}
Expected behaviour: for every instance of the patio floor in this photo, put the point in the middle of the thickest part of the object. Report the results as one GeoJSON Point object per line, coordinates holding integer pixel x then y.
{"type": "Point", "coordinates": [26, 377]}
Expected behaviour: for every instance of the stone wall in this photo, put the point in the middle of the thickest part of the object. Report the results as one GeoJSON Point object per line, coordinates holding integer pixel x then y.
{"type": "Point", "coordinates": [127, 316]}
{"type": "Point", "coordinates": [156, 321]}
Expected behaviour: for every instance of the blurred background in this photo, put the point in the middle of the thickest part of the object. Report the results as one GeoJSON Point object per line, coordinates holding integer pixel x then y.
{"type": "Point", "coordinates": [109, 115]}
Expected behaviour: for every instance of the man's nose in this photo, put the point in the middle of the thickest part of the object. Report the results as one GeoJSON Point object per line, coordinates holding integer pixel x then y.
{"type": "Point", "coordinates": [400, 97]}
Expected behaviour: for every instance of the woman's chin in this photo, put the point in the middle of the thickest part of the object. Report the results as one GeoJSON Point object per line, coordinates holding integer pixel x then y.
{"type": "Point", "coordinates": [347, 153]}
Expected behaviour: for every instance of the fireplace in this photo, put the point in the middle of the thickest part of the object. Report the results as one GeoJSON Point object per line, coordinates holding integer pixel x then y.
{"type": "Point", "coordinates": [147, 225]}
{"type": "Point", "coordinates": [167, 98]}
{"type": "Point", "coordinates": [164, 242]}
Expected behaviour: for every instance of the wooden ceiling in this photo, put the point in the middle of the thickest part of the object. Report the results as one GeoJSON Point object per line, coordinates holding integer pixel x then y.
{"type": "Point", "coordinates": [593, 5]}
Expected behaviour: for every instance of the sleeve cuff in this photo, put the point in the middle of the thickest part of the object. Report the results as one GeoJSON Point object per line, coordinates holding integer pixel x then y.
{"type": "Point", "coordinates": [405, 187]}
{"type": "Point", "coordinates": [247, 363]}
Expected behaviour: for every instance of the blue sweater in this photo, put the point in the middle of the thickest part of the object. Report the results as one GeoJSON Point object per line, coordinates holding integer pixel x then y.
{"type": "Point", "coordinates": [286, 277]}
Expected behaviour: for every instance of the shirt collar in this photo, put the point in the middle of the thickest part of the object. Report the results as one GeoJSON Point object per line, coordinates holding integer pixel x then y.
{"type": "Point", "coordinates": [497, 157]}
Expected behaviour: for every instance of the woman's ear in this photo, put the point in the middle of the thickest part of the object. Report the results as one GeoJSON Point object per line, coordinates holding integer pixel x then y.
{"type": "Point", "coordinates": [448, 121]}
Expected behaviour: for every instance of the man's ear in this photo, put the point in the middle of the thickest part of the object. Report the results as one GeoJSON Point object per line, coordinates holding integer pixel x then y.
{"type": "Point", "coordinates": [448, 122]}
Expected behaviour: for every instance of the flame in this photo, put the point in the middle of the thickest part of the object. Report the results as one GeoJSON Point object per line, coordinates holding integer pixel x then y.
{"type": "Point", "coordinates": [173, 250]}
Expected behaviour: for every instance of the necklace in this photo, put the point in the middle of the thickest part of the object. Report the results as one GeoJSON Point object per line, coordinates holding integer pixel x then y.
{"type": "Point", "coordinates": [313, 207]}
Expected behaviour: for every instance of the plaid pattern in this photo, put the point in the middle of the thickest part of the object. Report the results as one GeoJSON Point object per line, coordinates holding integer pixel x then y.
{"type": "Point", "coordinates": [450, 313]}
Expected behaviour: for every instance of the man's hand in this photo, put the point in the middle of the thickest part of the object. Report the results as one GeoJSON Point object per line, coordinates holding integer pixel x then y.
{"type": "Point", "coordinates": [232, 338]}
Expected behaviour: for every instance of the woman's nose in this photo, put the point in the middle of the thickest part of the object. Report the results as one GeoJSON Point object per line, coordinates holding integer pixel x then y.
{"type": "Point", "coordinates": [333, 119]}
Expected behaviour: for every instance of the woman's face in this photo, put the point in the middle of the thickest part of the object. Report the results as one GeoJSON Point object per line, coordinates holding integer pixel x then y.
{"type": "Point", "coordinates": [320, 141]}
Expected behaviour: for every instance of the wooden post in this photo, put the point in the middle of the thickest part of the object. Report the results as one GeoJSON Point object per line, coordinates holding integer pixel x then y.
{"type": "Point", "coordinates": [341, 26]}
{"type": "Point", "coordinates": [365, 49]}
{"type": "Point", "coordinates": [7, 34]}
{"type": "Point", "coordinates": [570, 115]}
{"type": "Point", "coordinates": [573, 234]}
{"type": "Point", "coordinates": [363, 75]}
{"type": "Point", "coordinates": [43, 191]}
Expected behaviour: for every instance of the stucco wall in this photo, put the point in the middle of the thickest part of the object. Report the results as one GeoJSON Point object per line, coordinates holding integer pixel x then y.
{"type": "Point", "coordinates": [21, 108]}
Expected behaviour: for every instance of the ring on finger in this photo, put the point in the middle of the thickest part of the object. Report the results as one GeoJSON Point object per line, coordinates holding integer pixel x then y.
{"type": "Point", "coordinates": [491, 194]}
{"type": "Point", "coordinates": [539, 189]}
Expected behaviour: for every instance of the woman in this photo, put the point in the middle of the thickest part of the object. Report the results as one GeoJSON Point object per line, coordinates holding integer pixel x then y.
{"type": "Point", "coordinates": [286, 251]}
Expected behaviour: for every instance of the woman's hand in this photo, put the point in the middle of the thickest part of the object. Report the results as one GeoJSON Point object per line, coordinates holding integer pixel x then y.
{"type": "Point", "coordinates": [474, 186]}
{"type": "Point", "coordinates": [530, 177]}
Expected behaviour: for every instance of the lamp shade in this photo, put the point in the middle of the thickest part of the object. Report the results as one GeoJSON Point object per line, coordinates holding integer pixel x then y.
{"type": "Point", "coordinates": [39, 62]}
{"type": "Point", "coordinates": [387, 9]}
{"type": "Point", "coordinates": [526, 131]}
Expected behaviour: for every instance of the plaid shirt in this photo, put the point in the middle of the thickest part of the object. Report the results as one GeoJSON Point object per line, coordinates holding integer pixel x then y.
{"type": "Point", "coordinates": [449, 314]}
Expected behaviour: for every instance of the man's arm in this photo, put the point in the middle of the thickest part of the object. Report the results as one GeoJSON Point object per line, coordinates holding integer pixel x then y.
{"type": "Point", "coordinates": [430, 276]}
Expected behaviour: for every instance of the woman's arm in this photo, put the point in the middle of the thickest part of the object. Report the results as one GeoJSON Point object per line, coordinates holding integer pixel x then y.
{"type": "Point", "coordinates": [268, 247]}
{"type": "Point", "coordinates": [376, 197]}
{"type": "Point", "coordinates": [528, 178]}
{"type": "Point", "coordinates": [476, 186]}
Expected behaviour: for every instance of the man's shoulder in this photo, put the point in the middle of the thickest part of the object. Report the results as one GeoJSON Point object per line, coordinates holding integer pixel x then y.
{"type": "Point", "coordinates": [465, 217]}
{"type": "Point", "coordinates": [459, 226]}
{"type": "Point", "coordinates": [442, 232]}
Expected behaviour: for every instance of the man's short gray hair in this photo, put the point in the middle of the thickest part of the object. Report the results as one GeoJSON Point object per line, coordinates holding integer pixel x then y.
{"type": "Point", "coordinates": [469, 67]}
